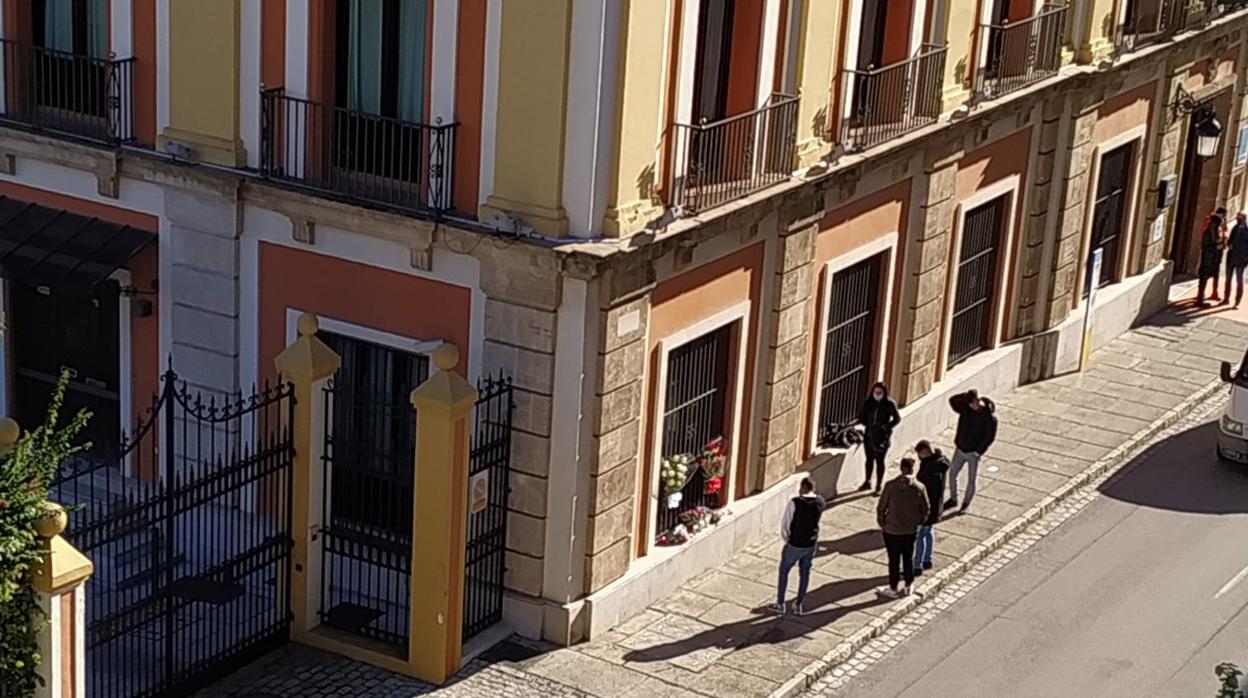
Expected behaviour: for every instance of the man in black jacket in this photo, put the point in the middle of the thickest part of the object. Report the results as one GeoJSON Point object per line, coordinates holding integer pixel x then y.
{"type": "Point", "coordinates": [933, 466]}
{"type": "Point", "coordinates": [977, 429]}
{"type": "Point", "coordinates": [800, 530]}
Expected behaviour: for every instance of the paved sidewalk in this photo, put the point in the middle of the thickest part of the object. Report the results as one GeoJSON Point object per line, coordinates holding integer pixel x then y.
{"type": "Point", "coordinates": [713, 638]}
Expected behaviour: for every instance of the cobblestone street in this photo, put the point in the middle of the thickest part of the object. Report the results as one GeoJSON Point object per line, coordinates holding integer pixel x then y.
{"type": "Point", "coordinates": [712, 638]}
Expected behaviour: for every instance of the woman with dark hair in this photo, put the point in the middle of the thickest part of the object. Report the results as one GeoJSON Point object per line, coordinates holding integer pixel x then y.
{"type": "Point", "coordinates": [878, 417]}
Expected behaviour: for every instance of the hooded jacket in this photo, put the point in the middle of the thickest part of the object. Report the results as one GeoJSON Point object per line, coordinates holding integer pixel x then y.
{"type": "Point", "coordinates": [932, 473]}
{"type": "Point", "coordinates": [1237, 246]}
{"type": "Point", "coordinates": [878, 417]}
{"type": "Point", "coordinates": [903, 507]}
{"type": "Point", "coordinates": [977, 429]}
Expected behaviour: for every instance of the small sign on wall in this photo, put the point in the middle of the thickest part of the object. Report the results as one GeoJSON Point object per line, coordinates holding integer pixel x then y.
{"type": "Point", "coordinates": [479, 492]}
{"type": "Point", "coordinates": [1158, 231]}
{"type": "Point", "coordinates": [1241, 157]}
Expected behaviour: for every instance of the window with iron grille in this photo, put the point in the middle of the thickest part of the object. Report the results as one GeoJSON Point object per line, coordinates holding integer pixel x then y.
{"type": "Point", "coordinates": [1109, 210]}
{"type": "Point", "coordinates": [696, 398]}
{"type": "Point", "coordinates": [850, 342]}
{"type": "Point", "coordinates": [975, 295]}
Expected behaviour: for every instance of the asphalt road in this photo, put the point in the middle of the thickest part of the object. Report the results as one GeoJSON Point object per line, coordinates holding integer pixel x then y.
{"type": "Point", "coordinates": [1140, 594]}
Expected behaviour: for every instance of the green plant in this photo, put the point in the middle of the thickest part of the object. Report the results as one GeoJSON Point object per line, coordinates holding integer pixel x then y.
{"type": "Point", "coordinates": [1229, 675]}
{"type": "Point", "coordinates": [25, 474]}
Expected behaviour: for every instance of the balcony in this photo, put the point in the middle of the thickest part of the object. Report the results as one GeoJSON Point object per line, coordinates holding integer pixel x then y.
{"type": "Point", "coordinates": [891, 101]}
{"type": "Point", "coordinates": [721, 161]}
{"type": "Point", "coordinates": [356, 154]}
{"type": "Point", "coordinates": [67, 93]}
{"type": "Point", "coordinates": [1016, 55]}
{"type": "Point", "coordinates": [1151, 22]}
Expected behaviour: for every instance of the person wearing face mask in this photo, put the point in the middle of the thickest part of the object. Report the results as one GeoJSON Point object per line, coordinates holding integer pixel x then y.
{"type": "Point", "coordinates": [879, 415]}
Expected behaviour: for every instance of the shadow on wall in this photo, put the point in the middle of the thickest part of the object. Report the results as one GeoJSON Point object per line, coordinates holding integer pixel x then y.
{"type": "Point", "coordinates": [819, 125]}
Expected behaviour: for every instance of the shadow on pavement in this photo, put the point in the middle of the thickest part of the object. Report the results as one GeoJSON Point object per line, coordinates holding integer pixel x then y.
{"type": "Point", "coordinates": [765, 627]}
{"type": "Point", "coordinates": [859, 543]}
{"type": "Point", "coordinates": [1183, 473]}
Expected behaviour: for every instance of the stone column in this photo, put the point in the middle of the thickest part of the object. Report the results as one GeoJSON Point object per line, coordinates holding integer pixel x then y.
{"type": "Point", "coordinates": [1038, 221]}
{"type": "Point", "coordinates": [620, 399]}
{"type": "Point", "coordinates": [1066, 264]}
{"type": "Point", "coordinates": [307, 363]}
{"type": "Point", "coordinates": [443, 405]}
{"type": "Point", "coordinates": [60, 582]}
{"type": "Point", "coordinates": [1171, 136]}
{"type": "Point", "coordinates": [780, 447]}
{"type": "Point", "coordinates": [928, 260]}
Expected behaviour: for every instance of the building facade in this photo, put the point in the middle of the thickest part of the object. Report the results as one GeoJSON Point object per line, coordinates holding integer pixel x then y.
{"type": "Point", "coordinates": [678, 226]}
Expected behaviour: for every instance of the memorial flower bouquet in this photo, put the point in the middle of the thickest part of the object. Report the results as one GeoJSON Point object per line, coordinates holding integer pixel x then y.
{"type": "Point", "coordinates": [714, 461]}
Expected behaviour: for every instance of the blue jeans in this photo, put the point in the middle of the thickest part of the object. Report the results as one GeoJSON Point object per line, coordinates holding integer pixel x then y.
{"type": "Point", "coordinates": [960, 459]}
{"type": "Point", "coordinates": [803, 558]}
{"type": "Point", "coordinates": [923, 547]}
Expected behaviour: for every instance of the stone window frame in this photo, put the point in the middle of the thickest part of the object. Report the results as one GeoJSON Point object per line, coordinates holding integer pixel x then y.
{"type": "Point", "coordinates": [1138, 135]}
{"type": "Point", "coordinates": [738, 315]}
{"type": "Point", "coordinates": [1011, 188]}
{"type": "Point", "coordinates": [885, 244]}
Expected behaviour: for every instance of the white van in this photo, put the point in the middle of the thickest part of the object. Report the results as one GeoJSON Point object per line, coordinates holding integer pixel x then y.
{"type": "Point", "coordinates": [1233, 426]}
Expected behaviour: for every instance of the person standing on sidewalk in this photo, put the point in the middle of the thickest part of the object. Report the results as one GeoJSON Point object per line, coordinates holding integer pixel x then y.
{"type": "Point", "coordinates": [933, 467]}
{"type": "Point", "coordinates": [1237, 258]}
{"type": "Point", "coordinates": [1212, 244]}
{"type": "Point", "coordinates": [878, 416]}
{"type": "Point", "coordinates": [800, 530]}
{"type": "Point", "coordinates": [977, 429]}
{"type": "Point", "coordinates": [903, 508]}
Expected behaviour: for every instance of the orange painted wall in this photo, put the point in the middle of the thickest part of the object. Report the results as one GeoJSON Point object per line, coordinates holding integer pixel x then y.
{"type": "Point", "coordinates": [380, 299]}
{"type": "Point", "coordinates": [469, 92]}
{"type": "Point", "coordinates": [842, 231]}
{"type": "Point", "coordinates": [747, 30]}
{"type": "Point", "coordinates": [143, 19]}
{"type": "Point", "coordinates": [273, 43]}
{"type": "Point", "coordinates": [684, 301]}
{"type": "Point", "coordinates": [1124, 112]}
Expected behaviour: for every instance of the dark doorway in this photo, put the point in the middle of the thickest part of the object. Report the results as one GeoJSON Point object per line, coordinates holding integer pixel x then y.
{"type": "Point", "coordinates": [710, 87]}
{"type": "Point", "coordinates": [976, 297]}
{"type": "Point", "coordinates": [1109, 212]}
{"type": "Point", "coordinates": [1187, 215]}
{"type": "Point", "coordinates": [851, 343]}
{"type": "Point", "coordinates": [78, 333]}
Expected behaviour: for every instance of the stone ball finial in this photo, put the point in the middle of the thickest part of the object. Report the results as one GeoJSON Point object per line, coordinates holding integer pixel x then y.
{"type": "Point", "coordinates": [446, 357]}
{"type": "Point", "coordinates": [53, 522]}
{"type": "Point", "coordinates": [9, 432]}
{"type": "Point", "coordinates": [308, 325]}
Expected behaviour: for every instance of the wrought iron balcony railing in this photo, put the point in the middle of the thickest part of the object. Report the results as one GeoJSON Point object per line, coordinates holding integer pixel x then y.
{"type": "Point", "coordinates": [68, 93]}
{"type": "Point", "coordinates": [356, 154]}
{"type": "Point", "coordinates": [893, 100]}
{"type": "Point", "coordinates": [1153, 21]}
{"type": "Point", "coordinates": [1018, 54]}
{"type": "Point", "coordinates": [725, 160]}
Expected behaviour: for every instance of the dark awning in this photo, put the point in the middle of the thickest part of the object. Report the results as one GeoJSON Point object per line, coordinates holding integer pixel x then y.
{"type": "Point", "coordinates": [44, 246]}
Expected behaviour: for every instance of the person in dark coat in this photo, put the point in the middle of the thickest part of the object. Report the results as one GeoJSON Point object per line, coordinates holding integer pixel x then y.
{"type": "Point", "coordinates": [878, 416]}
{"type": "Point", "coordinates": [1212, 245]}
{"type": "Point", "coordinates": [933, 468]}
{"type": "Point", "coordinates": [977, 429]}
{"type": "Point", "coordinates": [1236, 258]}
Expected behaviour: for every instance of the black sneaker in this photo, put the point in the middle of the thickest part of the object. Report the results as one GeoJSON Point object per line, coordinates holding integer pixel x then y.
{"type": "Point", "coordinates": [927, 565]}
{"type": "Point", "coordinates": [951, 504]}
{"type": "Point", "coordinates": [918, 571]}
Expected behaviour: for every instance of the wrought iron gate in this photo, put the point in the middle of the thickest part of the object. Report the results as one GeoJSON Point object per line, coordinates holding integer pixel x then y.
{"type": "Point", "coordinates": [850, 344]}
{"type": "Point", "coordinates": [189, 528]}
{"type": "Point", "coordinates": [1109, 211]}
{"type": "Point", "coordinates": [977, 281]}
{"type": "Point", "coordinates": [489, 470]}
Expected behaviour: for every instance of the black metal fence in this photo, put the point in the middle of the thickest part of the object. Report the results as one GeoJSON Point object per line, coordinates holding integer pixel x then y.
{"type": "Point", "coordinates": [694, 414]}
{"type": "Point", "coordinates": [893, 100]}
{"type": "Point", "coordinates": [1021, 53]}
{"type": "Point", "coordinates": [366, 538]}
{"type": "Point", "coordinates": [79, 95]}
{"type": "Point", "coordinates": [1153, 21]}
{"type": "Point", "coordinates": [192, 565]}
{"type": "Point", "coordinates": [975, 296]}
{"type": "Point", "coordinates": [356, 154]}
{"type": "Point", "coordinates": [725, 160]}
{"type": "Point", "coordinates": [489, 485]}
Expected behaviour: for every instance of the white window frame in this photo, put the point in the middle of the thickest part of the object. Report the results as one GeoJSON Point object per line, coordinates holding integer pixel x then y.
{"type": "Point", "coordinates": [886, 245]}
{"type": "Point", "coordinates": [738, 315]}
{"type": "Point", "coordinates": [1009, 187]}
{"type": "Point", "coordinates": [1126, 250]}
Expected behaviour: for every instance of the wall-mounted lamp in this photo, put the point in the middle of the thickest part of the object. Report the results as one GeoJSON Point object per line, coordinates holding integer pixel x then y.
{"type": "Point", "coordinates": [1204, 120]}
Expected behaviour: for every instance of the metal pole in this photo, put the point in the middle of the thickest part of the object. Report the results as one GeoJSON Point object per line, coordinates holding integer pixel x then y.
{"type": "Point", "coordinates": [167, 441]}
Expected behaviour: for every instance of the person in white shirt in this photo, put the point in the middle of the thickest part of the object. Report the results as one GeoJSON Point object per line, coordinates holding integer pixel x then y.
{"type": "Point", "coordinates": [800, 530]}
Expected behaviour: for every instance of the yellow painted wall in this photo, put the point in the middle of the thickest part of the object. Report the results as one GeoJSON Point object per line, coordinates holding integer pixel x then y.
{"type": "Point", "coordinates": [1099, 29]}
{"type": "Point", "coordinates": [817, 77]}
{"type": "Point", "coordinates": [204, 78]}
{"type": "Point", "coordinates": [959, 32]}
{"type": "Point", "coordinates": [532, 95]}
{"type": "Point", "coordinates": [644, 47]}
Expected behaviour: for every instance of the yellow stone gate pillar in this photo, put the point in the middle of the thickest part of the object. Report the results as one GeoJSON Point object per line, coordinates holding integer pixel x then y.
{"type": "Point", "coordinates": [307, 363]}
{"type": "Point", "coordinates": [60, 583]}
{"type": "Point", "coordinates": [443, 405]}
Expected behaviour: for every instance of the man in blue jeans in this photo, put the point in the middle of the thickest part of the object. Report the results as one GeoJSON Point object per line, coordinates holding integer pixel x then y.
{"type": "Point", "coordinates": [933, 467]}
{"type": "Point", "coordinates": [977, 429]}
{"type": "Point", "coordinates": [800, 530]}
